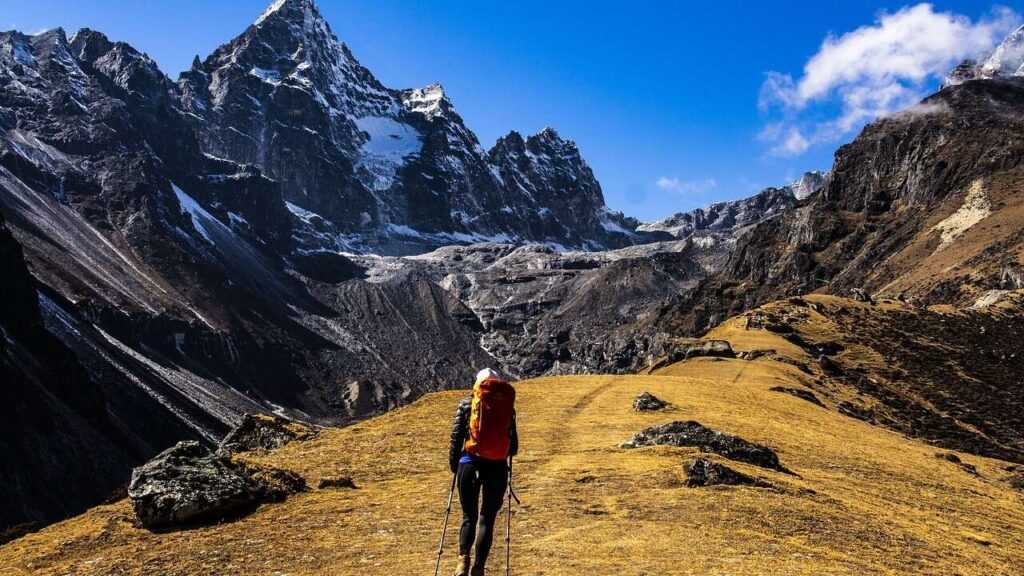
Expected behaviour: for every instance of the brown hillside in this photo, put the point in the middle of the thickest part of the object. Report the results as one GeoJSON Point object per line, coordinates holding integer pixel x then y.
{"type": "Point", "coordinates": [862, 499]}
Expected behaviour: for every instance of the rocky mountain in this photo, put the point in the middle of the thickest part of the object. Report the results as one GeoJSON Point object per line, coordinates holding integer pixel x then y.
{"type": "Point", "coordinates": [726, 219]}
{"type": "Point", "coordinates": [383, 170]}
{"type": "Point", "coordinates": [717, 228]}
{"type": "Point", "coordinates": [182, 278]}
{"type": "Point", "coordinates": [922, 205]}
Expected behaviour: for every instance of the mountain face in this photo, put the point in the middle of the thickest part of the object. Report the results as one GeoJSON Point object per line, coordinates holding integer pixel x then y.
{"type": "Point", "coordinates": [382, 170]}
{"type": "Point", "coordinates": [726, 218]}
{"type": "Point", "coordinates": [169, 274]}
{"type": "Point", "coordinates": [923, 205]}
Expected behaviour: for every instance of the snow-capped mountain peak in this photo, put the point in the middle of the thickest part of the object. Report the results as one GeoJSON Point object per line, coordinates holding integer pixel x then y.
{"type": "Point", "coordinates": [289, 97]}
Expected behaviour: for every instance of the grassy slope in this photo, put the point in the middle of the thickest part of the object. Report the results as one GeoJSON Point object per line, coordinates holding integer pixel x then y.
{"type": "Point", "coordinates": [868, 501]}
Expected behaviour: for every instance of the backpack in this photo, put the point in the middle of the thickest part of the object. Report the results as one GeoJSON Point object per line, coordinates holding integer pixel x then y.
{"type": "Point", "coordinates": [490, 419]}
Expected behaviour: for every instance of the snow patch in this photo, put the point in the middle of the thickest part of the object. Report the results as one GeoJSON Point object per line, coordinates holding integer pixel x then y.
{"type": "Point", "coordinates": [268, 76]}
{"type": "Point", "coordinates": [195, 211]}
{"type": "Point", "coordinates": [389, 143]}
{"type": "Point", "coordinates": [277, 5]}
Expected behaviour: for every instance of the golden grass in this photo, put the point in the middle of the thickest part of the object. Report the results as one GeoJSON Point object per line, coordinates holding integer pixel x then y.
{"type": "Point", "coordinates": [867, 501]}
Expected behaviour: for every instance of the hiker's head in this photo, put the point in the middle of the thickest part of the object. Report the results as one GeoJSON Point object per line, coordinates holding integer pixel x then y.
{"type": "Point", "coordinates": [485, 374]}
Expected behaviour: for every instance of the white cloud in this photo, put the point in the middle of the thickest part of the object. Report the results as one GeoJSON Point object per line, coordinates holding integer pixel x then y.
{"type": "Point", "coordinates": [872, 71]}
{"type": "Point", "coordinates": [785, 140]}
{"type": "Point", "coordinates": [686, 186]}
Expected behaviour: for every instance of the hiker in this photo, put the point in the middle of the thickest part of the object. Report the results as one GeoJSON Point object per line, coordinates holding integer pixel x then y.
{"type": "Point", "coordinates": [483, 439]}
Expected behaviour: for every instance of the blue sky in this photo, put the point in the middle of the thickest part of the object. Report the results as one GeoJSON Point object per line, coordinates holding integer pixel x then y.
{"type": "Point", "coordinates": [673, 104]}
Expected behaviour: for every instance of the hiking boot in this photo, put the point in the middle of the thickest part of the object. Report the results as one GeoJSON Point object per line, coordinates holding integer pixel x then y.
{"type": "Point", "coordinates": [463, 569]}
{"type": "Point", "coordinates": [478, 570]}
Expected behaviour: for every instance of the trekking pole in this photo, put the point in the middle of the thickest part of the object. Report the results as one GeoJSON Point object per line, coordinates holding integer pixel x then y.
{"type": "Point", "coordinates": [444, 529]}
{"type": "Point", "coordinates": [508, 520]}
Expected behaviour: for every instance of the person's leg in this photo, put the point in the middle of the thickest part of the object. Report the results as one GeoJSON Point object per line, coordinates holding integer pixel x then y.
{"type": "Point", "coordinates": [469, 495]}
{"type": "Point", "coordinates": [494, 480]}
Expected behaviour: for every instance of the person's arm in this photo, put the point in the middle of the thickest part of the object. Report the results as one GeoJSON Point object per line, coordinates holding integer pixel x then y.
{"type": "Point", "coordinates": [460, 426]}
{"type": "Point", "coordinates": [513, 447]}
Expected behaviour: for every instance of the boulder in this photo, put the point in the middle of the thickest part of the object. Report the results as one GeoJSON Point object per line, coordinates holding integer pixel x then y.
{"type": "Point", "coordinates": [188, 484]}
{"type": "Point", "coordinates": [704, 472]}
{"type": "Point", "coordinates": [694, 434]}
{"type": "Point", "coordinates": [799, 393]}
{"type": "Point", "coordinates": [647, 402]}
{"type": "Point", "coordinates": [264, 432]}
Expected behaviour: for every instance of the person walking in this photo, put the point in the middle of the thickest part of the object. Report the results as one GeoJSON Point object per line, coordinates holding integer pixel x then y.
{"type": "Point", "coordinates": [483, 439]}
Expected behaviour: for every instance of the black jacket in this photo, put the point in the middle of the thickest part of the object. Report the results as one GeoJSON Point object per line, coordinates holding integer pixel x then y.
{"type": "Point", "coordinates": [460, 432]}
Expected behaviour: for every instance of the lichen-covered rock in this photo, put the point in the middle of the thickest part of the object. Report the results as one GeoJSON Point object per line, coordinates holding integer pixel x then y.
{"type": "Point", "coordinates": [693, 348]}
{"type": "Point", "coordinates": [647, 402]}
{"type": "Point", "coordinates": [704, 472]}
{"type": "Point", "coordinates": [264, 432]}
{"type": "Point", "coordinates": [694, 434]}
{"type": "Point", "coordinates": [189, 484]}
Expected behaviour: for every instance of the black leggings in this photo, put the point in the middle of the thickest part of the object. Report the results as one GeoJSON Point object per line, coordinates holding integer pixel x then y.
{"type": "Point", "coordinates": [491, 478]}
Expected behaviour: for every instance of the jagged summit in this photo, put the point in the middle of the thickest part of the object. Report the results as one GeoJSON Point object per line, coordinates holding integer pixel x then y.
{"type": "Point", "coordinates": [300, 11]}
{"type": "Point", "coordinates": [388, 170]}
{"type": "Point", "coordinates": [430, 101]}
{"type": "Point", "coordinates": [726, 220]}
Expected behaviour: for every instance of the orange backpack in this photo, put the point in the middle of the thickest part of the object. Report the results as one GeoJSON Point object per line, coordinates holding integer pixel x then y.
{"type": "Point", "coordinates": [490, 419]}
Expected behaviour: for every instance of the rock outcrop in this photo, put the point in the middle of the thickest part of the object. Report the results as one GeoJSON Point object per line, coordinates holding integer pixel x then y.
{"type": "Point", "coordinates": [188, 484]}
{"type": "Point", "coordinates": [647, 402]}
{"type": "Point", "coordinates": [703, 472]}
{"type": "Point", "coordinates": [263, 432]}
{"type": "Point", "coordinates": [799, 393]}
{"type": "Point", "coordinates": [694, 434]}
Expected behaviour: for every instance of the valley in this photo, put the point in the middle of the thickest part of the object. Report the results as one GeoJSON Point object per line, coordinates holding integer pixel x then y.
{"type": "Point", "coordinates": [859, 499]}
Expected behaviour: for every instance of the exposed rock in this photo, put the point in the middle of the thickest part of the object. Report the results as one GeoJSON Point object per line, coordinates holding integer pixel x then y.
{"type": "Point", "coordinates": [861, 295]}
{"type": "Point", "coordinates": [187, 484]}
{"type": "Point", "coordinates": [713, 348]}
{"type": "Point", "coordinates": [953, 458]}
{"type": "Point", "coordinates": [694, 434]}
{"type": "Point", "coordinates": [857, 411]}
{"type": "Point", "coordinates": [829, 366]}
{"type": "Point", "coordinates": [725, 220]}
{"type": "Point", "coordinates": [647, 402]}
{"type": "Point", "coordinates": [265, 432]}
{"type": "Point", "coordinates": [704, 472]}
{"type": "Point", "coordinates": [755, 354]}
{"type": "Point", "coordinates": [694, 348]}
{"type": "Point", "coordinates": [336, 482]}
{"type": "Point", "coordinates": [799, 393]}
